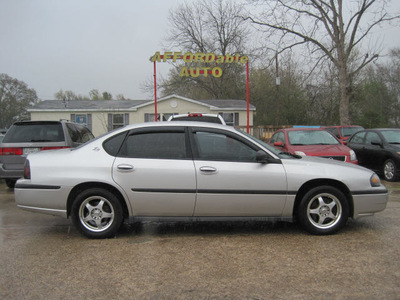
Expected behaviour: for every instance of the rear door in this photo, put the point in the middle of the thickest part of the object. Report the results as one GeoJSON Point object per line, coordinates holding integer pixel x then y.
{"type": "Point", "coordinates": [155, 168]}
{"type": "Point", "coordinates": [229, 180]}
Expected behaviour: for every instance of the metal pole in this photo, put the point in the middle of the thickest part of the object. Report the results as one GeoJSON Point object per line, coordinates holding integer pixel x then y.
{"type": "Point", "coordinates": [278, 82]}
{"type": "Point", "coordinates": [155, 91]}
{"type": "Point", "coordinates": [248, 98]}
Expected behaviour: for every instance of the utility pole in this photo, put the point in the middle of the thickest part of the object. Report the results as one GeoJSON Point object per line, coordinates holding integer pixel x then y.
{"type": "Point", "coordinates": [278, 83]}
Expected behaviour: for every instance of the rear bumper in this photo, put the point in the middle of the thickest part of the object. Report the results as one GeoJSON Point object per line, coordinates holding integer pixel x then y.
{"type": "Point", "coordinates": [41, 198]}
{"type": "Point", "coordinates": [11, 174]}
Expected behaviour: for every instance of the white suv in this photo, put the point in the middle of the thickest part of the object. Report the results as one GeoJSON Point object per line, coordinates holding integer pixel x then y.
{"type": "Point", "coordinates": [199, 117]}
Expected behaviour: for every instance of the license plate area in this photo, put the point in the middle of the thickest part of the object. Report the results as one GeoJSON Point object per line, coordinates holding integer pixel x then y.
{"type": "Point", "coordinates": [27, 151]}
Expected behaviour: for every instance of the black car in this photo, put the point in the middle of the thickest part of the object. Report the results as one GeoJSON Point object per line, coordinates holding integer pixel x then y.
{"type": "Point", "coordinates": [378, 150]}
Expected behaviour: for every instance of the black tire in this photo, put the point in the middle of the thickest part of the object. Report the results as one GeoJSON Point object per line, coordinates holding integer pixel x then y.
{"type": "Point", "coordinates": [323, 210]}
{"type": "Point", "coordinates": [389, 170]}
{"type": "Point", "coordinates": [97, 213]}
{"type": "Point", "coordinates": [11, 183]}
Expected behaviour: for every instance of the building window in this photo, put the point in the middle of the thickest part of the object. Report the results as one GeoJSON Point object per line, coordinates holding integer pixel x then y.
{"type": "Point", "coordinates": [168, 115]}
{"type": "Point", "coordinates": [84, 119]}
{"type": "Point", "coordinates": [117, 121]}
{"type": "Point", "coordinates": [151, 117]}
{"type": "Point", "coordinates": [231, 119]}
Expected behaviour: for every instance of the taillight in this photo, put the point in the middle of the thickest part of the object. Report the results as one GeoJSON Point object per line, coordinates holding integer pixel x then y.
{"type": "Point", "coordinates": [27, 170]}
{"type": "Point", "coordinates": [53, 148]}
{"type": "Point", "coordinates": [11, 151]}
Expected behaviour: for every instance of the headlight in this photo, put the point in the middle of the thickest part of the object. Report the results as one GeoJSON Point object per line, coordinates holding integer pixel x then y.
{"type": "Point", "coordinates": [375, 181]}
{"type": "Point", "coordinates": [353, 155]}
{"type": "Point", "coordinates": [300, 153]}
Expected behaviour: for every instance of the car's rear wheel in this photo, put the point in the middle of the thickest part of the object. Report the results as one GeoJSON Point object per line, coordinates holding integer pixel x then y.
{"type": "Point", "coordinates": [323, 210]}
{"type": "Point", "coordinates": [97, 213]}
{"type": "Point", "coordinates": [389, 170]}
{"type": "Point", "coordinates": [11, 183]}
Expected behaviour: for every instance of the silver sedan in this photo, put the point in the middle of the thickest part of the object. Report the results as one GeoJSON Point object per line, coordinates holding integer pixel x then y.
{"type": "Point", "coordinates": [193, 171]}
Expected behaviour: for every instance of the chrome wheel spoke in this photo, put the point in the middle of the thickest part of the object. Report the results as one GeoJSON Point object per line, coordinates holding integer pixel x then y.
{"type": "Point", "coordinates": [324, 210]}
{"type": "Point", "coordinates": [96, 213]}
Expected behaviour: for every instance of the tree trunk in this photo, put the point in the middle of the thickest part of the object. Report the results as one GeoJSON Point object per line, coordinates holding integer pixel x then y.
{"type": "Point", "coordinates": [346, 91]}
{"type": "Point", "coordinates": [346, 94]}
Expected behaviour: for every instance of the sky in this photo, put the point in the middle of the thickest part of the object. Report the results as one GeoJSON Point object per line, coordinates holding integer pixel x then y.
{"type": "Point", "coordinates": [80, 45]}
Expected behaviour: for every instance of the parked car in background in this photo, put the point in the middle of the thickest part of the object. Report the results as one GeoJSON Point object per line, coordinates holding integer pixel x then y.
{"type": "Point", "coordinates": [343, 132]}
{"type": "Point", "coordinates": [27, 137]}
{"type": "Point", "coordinates": [182, 171]}
{"type": "Point", "coordinates": [312, 142]}
{"type": "Point", "coordinates": [378, 150]}
{"type": "Point", "coordinates": [200, 117]}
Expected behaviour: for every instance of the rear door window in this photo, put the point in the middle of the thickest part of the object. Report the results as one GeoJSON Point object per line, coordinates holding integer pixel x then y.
{"type": "Point", "coordinates": [156, 145]}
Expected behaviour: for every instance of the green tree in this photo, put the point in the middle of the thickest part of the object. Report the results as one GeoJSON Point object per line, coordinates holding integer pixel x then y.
{"type": "Point", "coordinates": [67, 96]}
{"type": "Point", "coordinates": [286, 105]}
{"type": "Point", "coordinates": [15, 98]}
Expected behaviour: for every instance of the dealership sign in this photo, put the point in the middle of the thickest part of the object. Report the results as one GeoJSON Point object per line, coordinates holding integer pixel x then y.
{"type": "Point", "coordinates": [199, 57]}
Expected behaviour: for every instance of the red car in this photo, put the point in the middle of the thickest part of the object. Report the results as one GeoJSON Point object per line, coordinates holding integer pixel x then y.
{"type": "Point", "coordinates": [312, 142]}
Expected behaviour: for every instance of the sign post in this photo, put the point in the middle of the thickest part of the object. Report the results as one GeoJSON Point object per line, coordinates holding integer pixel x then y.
{"type": "Point", "coordinates": [215, 71]}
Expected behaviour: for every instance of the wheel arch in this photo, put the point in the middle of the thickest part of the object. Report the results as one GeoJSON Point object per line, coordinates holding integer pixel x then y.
{"type": "Point", "coordinates": [88, 185]}
{"type": "Point", "coordinates": [320, 182]}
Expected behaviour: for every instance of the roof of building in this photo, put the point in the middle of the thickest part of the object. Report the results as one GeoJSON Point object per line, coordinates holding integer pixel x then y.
{"type": "Point", "coordinates": [133, 104]}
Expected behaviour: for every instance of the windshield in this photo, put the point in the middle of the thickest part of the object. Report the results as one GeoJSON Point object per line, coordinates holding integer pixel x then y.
{"type": "Point", "coordinates": [274, 150]}
{"type": "Point", "coordinates": [349, 131]}
{"type": "Point", "coordinates": [311, 137]}
{"type": "Point", "coordinates": [392, 136]}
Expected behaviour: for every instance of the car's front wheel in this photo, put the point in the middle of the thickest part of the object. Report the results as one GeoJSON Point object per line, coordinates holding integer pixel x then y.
{"type": "Point", "coordinates": [389, 170]}
{"type": "Point", "coordinates": [323, 210]}
{"type": "Point", "coordinates": [97, 213]}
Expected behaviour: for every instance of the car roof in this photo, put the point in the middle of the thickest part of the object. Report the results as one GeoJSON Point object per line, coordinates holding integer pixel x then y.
{"type": "Point", "coordinates": [341, 126]}
{"type": "Point", "coordinates": [301, 129]}
{"type": "Point", "coordinates": [383, 129]}
{"type": "Point", "coordinates": [175, 124]}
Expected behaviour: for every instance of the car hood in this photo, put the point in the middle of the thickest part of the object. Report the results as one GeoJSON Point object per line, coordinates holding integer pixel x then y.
{"type": "Point", "coordinates": [322, 150]}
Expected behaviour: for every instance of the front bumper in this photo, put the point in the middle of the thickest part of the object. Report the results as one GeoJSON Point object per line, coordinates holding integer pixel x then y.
{"type": "Point", "coordinates": [366, 204]}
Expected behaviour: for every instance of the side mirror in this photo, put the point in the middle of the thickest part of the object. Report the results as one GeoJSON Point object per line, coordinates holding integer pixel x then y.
{"type": "Point", "coordinates": [262, 157]}
{"type": "Point", "coordinates": [278, 144]}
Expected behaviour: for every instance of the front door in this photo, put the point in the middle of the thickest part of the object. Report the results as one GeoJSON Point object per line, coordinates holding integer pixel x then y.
{"type": "Point", "coordinates": [229, 180]}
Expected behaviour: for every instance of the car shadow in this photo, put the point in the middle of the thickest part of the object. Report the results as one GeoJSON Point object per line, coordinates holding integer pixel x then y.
{"type": "Point", "coordinates": [209, 228]}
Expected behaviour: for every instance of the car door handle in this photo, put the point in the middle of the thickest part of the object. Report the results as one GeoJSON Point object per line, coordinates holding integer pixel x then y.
{"type": "Point", "coordinates": [125, 167]}
{"type": "Point", "coordinates": [208, 170]}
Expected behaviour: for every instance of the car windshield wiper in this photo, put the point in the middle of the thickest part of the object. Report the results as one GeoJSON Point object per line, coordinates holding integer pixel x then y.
{"type": "Point", "coordinates": [395, 143]}
{"type": "Point", "coordinates": [290, 154]}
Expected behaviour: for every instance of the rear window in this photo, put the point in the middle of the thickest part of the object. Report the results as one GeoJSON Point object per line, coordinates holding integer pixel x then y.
{"type": "Point", "coordinates": [34, 132]}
